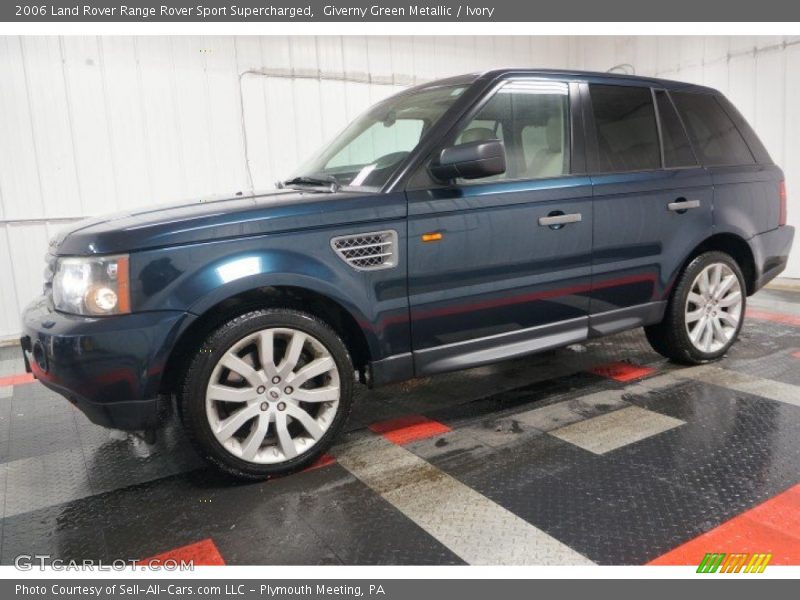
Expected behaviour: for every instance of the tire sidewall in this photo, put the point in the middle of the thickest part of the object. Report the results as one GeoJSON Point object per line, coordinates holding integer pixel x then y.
{"type": "Point", "coordinates": [193, 398]}
{"type": "Point", "coordinates": [682, 293]}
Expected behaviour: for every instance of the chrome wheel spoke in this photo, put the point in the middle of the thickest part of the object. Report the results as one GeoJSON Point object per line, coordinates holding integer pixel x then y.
{"type": "Point", "coordinates": [703, 284]}
{"type": "Point", "coordinates": [324, 394]}
{"type": "Point", "coordinates": [266, 353]}
{"type": "Point", "coordinates": [311, 370]}
{"type": "Point", "coordinates": [729, 318]}
{"type": "Point", "coordinates": [725, 286]}
{"type": "Point", "coordinates": [696, 299]}
{"type": "Point", "coordinates": [732, 299]}
{"type": "Point", "coordinates": [293, 351]}
{"type": "Point", "coordinates": [698, 330]}
{"type": "Point", "coordinates": [224, 393]}
{"type": "Point", "coordinates": [694, 315]}
{"type": "Point", "coordinates": [306, 420]}
{"type": "Point", "coordinates": [285, 440]}
{"type": "Point", "coordinates": [235, 364]}
{"type": "Point", "coordinates": [233, 423]}
{"type": "Point", "coordinates": [714, 279]}
{"type": "Point", "coordinates": [253, 442]}
{"type": "Point", "coordinates": [708, 335]}
{"type": "Point", "coordinates": [719, 333]}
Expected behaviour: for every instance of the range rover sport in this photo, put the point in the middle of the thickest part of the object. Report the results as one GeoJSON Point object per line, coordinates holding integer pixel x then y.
{"type": "Point", "coordinates": [458, 223]}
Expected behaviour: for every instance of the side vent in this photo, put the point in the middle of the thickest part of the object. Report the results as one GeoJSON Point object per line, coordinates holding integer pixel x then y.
{"type": "Point", "coordinates": [367, 251]}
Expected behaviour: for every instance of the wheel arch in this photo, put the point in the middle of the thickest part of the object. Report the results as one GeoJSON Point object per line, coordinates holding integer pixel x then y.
{"type": "Point", "coordinates": [303, 299]}
{"type": "Point", "coordinates": [737, 248]}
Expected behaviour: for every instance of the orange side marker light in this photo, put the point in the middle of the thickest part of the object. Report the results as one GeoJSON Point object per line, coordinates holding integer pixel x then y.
{"type": "Point", "coordinates": [432, 237]}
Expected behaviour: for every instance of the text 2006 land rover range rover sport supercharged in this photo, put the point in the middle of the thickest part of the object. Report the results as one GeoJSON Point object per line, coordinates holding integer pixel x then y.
{"type": "Point", "coordinates": [458, 223]}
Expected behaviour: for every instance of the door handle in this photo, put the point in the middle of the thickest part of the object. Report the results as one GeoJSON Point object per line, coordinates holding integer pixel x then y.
{"type": "Point", "coordinates": [681, 206]}
{"type": "Point", "coordinates": [559, 220]}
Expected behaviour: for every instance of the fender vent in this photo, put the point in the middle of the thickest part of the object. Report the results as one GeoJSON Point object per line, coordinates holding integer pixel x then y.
{"type": "Point", "coordinates": [367, 251]}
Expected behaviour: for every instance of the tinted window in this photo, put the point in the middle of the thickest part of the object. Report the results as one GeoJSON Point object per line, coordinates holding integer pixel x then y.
{"type": "Point", "coordinates": [532, 119]}
{"type": "Point", "coordinates": [714, 136]}
{"type": "Point", "coordinates": [627, 134]}
{"type": "Point", "coordinates": [677, 151]}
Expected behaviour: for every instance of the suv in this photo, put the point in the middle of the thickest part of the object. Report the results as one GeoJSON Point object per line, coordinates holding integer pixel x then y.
{"type": "Point", "coordinates": [460, 222]}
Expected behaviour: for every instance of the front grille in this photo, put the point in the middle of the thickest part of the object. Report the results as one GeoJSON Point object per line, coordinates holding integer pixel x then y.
{"type": "Point", "coordinates": [367, 251]}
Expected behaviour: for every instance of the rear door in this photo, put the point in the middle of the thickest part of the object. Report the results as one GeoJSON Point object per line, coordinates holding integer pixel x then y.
{"type": "Point", "coordinates": [652, 202]}
{"type": "Point", "coordinates": [501, 266]}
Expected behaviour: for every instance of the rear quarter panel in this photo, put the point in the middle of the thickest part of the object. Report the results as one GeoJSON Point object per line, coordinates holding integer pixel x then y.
{"type": "Point", "coordinates": [746, 199]}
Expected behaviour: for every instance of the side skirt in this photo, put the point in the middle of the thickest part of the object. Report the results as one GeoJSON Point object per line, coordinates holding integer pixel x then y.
{"type": "Point", "coordinates": [513, 344]}
{"type": "Point", "coordinates": [494, 348]}
{"type": "Point", "coordinates": [614, 321]}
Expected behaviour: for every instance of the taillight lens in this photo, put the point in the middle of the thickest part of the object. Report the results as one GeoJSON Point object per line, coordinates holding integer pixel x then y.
{"type": "Point", "coordinates": [782, 210]}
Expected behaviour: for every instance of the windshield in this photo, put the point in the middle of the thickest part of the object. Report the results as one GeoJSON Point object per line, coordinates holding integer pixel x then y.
{"type": "Point", "coordinates": [371, 148]}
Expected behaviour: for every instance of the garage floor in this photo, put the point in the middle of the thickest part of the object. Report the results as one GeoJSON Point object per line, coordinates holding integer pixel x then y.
{"type": "Point", "coordinates": [597, 453]}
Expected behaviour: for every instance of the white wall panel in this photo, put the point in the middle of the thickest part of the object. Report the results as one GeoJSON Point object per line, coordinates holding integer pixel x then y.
{"type": "Point", "coordinates": [94, 124]}
{"type": "Point", "coordinates": [791, 160]}
{"type": "Point", "coordinates": [160, 112]}
{"type": "Point", "coordinates": [51, 127]}
{"type": "Point", "coordinates": [85, 91]}
{"type": "Point", "coordinates": [20, 189]}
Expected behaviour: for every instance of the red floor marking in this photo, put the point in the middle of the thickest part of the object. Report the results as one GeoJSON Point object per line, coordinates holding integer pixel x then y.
{"type": "Point", "coordinates": [764, 315]}
{"type": "Point", "coordinates": [203, 553]}
{"type": "Point", "coordinates": [796, 354]}
{"type": "Point", "coordinates": [409, 429]}
{"type": "Point", "coordinates": [322, 461]}
{"type": "Point", "coordinates": [19, 379]}
{"type": "Point", "coordinates": [621, 371]}
{"type": "Point", "coordinates": [771, 527]}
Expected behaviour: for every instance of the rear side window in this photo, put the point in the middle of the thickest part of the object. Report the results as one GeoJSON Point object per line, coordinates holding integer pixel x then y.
{"type": "Point", "coordinates": [714, 136]}
{"type": "Point", "coordinates": [627, 135]}
{"type": "Point", "coordinates": [677, 150]}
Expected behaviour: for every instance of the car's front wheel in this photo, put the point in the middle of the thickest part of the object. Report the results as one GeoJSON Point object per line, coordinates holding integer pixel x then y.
{"type": "Point", "coordinates": [705, 311]}
{"type": "Point", "coordinates": [267, 393]}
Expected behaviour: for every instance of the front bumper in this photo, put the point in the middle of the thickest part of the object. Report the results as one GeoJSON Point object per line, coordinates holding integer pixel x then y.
{"type": "Point", "coordinates": [110, 368]}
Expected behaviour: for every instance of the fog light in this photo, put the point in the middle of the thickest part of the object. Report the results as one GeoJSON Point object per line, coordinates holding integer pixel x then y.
{"type": "Point", "coordinates": [39, 356]}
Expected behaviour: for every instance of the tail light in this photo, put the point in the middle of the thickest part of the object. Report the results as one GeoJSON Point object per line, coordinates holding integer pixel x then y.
{"type": "Point", "coordinates": [782, 209]}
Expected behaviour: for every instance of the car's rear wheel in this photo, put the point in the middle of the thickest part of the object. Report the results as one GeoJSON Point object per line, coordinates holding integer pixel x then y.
{"type": "Point", "coordinates": [705, 311]}
{"type": "Point", "coordinates": [267, 393]}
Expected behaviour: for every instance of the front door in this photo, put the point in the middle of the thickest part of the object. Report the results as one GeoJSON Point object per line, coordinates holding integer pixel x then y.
{"type": "Point", "coordinates": [501, 266]}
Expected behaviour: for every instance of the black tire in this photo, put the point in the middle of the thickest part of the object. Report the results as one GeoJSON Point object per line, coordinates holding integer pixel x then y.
{"type": "Point", "coordinates": [192, 397]}
{"type": "Point", "coordinates": [670, 337]}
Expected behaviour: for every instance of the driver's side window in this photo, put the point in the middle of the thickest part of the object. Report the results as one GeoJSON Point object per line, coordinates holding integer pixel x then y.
{"type": "Point", "coordinates": [531, 118]}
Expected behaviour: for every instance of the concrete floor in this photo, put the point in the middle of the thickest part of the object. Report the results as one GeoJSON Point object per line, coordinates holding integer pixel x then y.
{"type": "Point", "coordinates": [597, 453]}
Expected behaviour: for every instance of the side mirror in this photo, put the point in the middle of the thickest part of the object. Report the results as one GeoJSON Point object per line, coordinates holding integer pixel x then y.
{"type": "Point", "coordinates": [472, 160]}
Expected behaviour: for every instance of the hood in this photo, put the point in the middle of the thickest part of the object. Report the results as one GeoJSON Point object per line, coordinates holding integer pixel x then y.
{"type": "Point", "coordinates": [214, 218]}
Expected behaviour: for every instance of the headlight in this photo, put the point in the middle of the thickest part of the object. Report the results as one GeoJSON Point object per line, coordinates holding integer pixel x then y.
{"type": "Point", "coordinates": [93, 286]}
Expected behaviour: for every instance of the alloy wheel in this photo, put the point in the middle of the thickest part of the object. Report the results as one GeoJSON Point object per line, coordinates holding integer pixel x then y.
{"type": "Point", "coordinates": [713, 308]}
{"type": "Point", "coordinates": [272, 396]}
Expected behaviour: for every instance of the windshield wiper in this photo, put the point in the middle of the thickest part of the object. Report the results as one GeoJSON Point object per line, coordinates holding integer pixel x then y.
{"type": "Point", "coordinates": [327, 181]}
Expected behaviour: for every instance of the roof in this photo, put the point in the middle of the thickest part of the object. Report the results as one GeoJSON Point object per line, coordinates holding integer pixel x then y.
{"type": "Point", "coordinates": [469, 78]}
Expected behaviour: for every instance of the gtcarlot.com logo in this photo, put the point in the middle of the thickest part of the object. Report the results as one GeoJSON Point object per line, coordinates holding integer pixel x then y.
{"type": "Point", "coordinates": [718, 562]}
{"type": "Point", "coordinates": [28, 562]}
